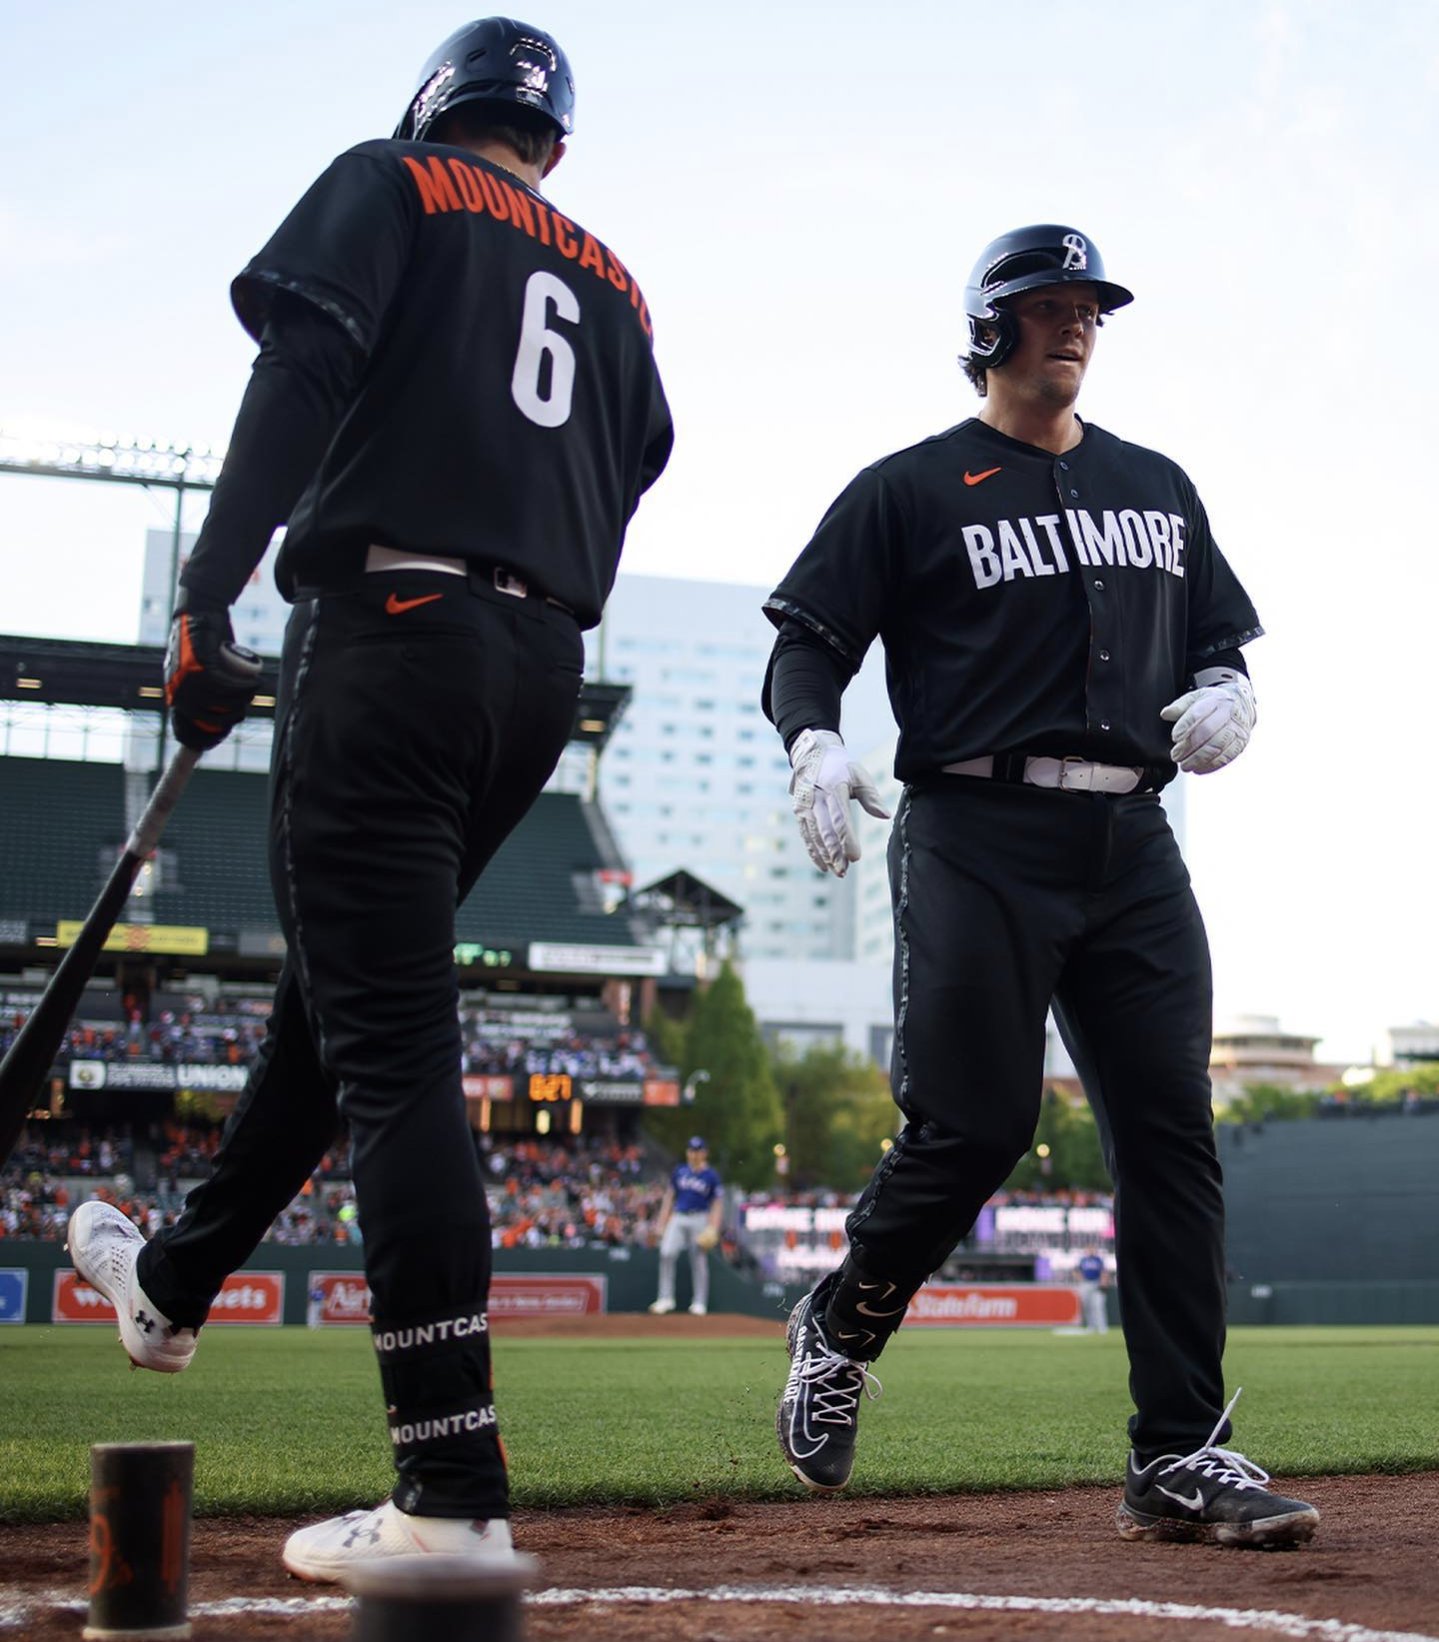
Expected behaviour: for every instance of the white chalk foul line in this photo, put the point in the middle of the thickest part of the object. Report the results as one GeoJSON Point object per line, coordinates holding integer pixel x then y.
{"type": "Point", "coordinates": [1257, 1619]}
{"type": "Point", "coordinates": [16, 1611]}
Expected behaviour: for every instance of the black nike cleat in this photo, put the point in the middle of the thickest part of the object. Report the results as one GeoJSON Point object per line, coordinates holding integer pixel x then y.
{"type": "Point", "coordinates": [1214, 1495]}
{"type": "Point", "coordinates": [819, 1409]}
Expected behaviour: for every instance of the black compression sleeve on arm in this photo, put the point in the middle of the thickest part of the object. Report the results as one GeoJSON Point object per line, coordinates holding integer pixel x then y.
{"type": "Point", "coordinates": [304, 377]}
{"type": "Point", "coordinates": [806, 680]}
{"type": "Point", "coordinates": [1233, 659]}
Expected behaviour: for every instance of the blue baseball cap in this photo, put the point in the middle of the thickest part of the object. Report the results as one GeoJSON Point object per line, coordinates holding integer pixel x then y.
{"type": "Point", "coordinates": [696, 1144]}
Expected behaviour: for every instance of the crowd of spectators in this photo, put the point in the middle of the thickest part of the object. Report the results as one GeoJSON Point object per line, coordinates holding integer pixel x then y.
{"type": "Point", "coordinates": [494, 1044]}
{"type": "Point", "coordinates": [218, 1037]}
{"type": "Point", "coordinates": [579, 1192]}
{"type": "Point", "coordinates": [228, 1032]}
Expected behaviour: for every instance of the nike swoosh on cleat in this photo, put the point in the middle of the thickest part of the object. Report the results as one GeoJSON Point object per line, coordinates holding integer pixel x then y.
{"type": "Point", "coordinates": [1195, 1504]}
{"type": "Point", "coordinates": [395, 606]}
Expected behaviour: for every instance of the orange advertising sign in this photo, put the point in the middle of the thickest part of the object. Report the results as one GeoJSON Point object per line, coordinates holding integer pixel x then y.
{"type": "Point", "coordinates": [985, 1305]}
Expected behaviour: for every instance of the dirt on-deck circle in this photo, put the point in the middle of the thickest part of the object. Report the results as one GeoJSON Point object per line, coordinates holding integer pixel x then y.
{"type": "Point", "coordinates": [1003, 1566]}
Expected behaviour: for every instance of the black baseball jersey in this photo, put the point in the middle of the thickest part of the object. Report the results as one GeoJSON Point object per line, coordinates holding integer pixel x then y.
{"type": "Point", "coordinates": [1027, 602]}
{"type": "Point", "coordinates": [510, 411]}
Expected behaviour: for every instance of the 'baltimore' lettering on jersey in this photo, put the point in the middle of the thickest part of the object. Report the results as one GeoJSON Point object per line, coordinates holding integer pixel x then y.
{"type": "Point", "coordinates": [1032, 601]}
{"type": "Point", "coordinates": [460, 186]}
{"type": "Point", "coordinates": [1034, 547]}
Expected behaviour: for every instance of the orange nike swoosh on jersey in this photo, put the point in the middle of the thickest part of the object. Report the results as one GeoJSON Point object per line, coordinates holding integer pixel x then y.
{"type": "Point", "coordinates": [979, 478]}
{"type": "Point", "coordinates": [395, 606]}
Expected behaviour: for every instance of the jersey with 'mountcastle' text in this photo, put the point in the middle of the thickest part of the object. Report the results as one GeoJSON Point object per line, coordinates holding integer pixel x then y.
{"type": "Point", "coordinates": [510, 410]}
{"type": "Point", "coordinates": [1027, 602]}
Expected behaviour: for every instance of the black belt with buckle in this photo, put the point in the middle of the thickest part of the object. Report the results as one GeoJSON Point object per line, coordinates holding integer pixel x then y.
{"type": "Point", "coordinates": [515, 587]}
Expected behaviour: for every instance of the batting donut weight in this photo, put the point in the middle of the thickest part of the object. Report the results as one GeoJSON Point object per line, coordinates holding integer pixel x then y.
{"type": "Point", "coordinates": [140, 1540]}
{"type": "Point", "coordinates": [441, 1598]}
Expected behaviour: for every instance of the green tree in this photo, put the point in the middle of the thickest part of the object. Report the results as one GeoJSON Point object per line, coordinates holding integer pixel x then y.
{"type": "Point", "coordinates": [1392, 1085]}
{"type": "Point", "coordinates": [669, 1127]}
{"type": "Point", "coordinates": [837, 1112]}
{"type": "Point", "coordinates": [1065, 1153]}
{"type": "Point", "coordinates": [1262, 1102]}
{"type": "Point", "coordinates": [737, 1107]}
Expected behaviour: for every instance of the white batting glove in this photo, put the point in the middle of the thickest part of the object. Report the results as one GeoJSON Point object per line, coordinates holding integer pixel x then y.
{"type": "Point", "coordinates": [825, 779]}
{"type": "Point", "coordinates": [1212, 723]}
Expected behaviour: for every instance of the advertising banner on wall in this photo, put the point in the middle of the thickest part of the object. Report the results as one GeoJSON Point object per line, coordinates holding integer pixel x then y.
{"type": "Point", "coordinates": [247, 1297]}
{"type": "Point", "coordinates": [14, 1286]}
{"type": "Point", "coordinates": [985, 1305]}
{"type": "Point", "coordinates": [581, 1295]}
{"type": "Point", "coordinates": [339, 1299]}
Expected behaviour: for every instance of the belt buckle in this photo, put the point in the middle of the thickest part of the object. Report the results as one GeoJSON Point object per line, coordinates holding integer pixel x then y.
{"type": "Point", "coordinates": [1081, 764]}
{"type": "Point", "coordinates": [506, 583]}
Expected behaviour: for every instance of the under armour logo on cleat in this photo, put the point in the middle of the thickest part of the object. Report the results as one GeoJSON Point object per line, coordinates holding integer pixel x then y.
{"type": "Point", "coordinates": [142, 1321]}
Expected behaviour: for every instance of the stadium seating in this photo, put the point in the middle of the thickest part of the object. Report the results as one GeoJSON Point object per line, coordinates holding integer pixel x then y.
{"type": "Point", "coordinates": [218, 836]}
{"type": "Point", "coordinates": [540, 886]}
{"type": "Point", "coordinates": [66, 824]}
{"type": "Point", "coordinates": [64, 828]}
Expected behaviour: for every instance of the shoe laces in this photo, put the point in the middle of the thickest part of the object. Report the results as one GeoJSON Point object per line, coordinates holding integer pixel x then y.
{"type": "Point", "coordinates": [1223, 1465]}
{"type": "Point", "coordinates": [835, 1383]}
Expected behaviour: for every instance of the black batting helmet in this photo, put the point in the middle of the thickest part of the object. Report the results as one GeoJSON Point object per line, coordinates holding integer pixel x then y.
{"type": "Point", "coordinates": [494, 60]}
{"type": "Point", "coordinates": [1046, 253]}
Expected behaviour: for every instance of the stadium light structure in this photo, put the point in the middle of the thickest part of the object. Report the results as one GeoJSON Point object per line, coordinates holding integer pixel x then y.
{"type": "Point", "coordinates": [115, 461]}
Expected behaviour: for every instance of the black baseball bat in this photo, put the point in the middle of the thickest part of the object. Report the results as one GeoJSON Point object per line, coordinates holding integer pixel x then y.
{"type": "Point", "coordinates": [30, 1057]}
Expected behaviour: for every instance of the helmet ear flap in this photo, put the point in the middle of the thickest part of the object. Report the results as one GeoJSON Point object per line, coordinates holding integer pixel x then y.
{"type": "Point", "coordinates": [991, 341]}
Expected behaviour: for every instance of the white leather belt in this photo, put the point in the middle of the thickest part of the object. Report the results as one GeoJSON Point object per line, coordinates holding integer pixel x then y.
{"type": "Point", "coordinates": [393, 558]}
{"type": "Point", "coordinates": [1068, 774]}
{"type": "Point", "coordinates": [496, 576]}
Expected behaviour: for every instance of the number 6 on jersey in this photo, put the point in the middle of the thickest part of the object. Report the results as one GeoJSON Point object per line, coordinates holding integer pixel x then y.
{"type": "Point", "coordinates": [538, 341]}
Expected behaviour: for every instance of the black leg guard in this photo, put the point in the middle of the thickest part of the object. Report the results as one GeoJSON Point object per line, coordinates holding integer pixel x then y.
{"type": "Point", "coordinates": [862, 1310]}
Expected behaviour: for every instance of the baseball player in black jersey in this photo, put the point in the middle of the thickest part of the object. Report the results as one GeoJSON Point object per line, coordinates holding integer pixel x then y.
{"type": "Point", "coordinates": [1061, 635]}
{"type": "Point", "coordinates": [456, 407]}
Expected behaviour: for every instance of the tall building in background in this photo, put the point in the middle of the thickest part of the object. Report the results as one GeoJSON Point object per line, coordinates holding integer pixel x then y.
{"type": "Point", "coordinates": [695, 776]}
{"type": "Point", "coordinates": [258, 617]}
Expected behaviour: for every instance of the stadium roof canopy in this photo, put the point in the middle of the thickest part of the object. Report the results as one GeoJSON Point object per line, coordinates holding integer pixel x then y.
{"type": "Point", "coordinates": [682, 901]}
{"type": "Point", "coordinates": [78, 673]}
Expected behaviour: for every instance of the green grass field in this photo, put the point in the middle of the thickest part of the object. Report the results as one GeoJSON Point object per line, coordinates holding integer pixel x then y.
{"type": "Point", "coordinates": [289, 1420]}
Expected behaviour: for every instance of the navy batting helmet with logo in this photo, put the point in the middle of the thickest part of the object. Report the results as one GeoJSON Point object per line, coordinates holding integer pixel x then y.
{"type": "Point", "coordinates": [1047, 253]}
{"type": "Point", "coordinates": [494, 60]}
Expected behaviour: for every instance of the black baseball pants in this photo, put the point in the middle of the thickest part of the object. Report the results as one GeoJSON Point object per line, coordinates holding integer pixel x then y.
{"type": "Point", "coordinates": [419, 716]}
{"type": "Point", "coordinates": [1007, 898]}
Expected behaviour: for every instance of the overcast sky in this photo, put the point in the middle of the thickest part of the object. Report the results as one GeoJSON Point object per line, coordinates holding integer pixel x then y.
{"type": "Point", "coordinates": [801, 190]}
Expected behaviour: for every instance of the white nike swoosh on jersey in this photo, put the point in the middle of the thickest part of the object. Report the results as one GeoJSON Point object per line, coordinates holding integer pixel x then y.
{"type": "Point", "coordinates": [1195, 1504]}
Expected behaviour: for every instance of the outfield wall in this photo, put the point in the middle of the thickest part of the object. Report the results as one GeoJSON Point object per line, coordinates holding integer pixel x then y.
{"type": "Point", "coordinates": [627, 1279]}
{"type": "Point", "coordinates": [1331, 1203]}
{"type": "Point", "coordinates": [631, 1277]}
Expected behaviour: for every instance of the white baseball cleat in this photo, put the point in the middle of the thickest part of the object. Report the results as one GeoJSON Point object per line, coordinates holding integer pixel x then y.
{"type": "Point", "coordinates": [662, 1308]}
{"type": "Point", "coordinates": [105, 1246]}
{"type": "Point", "coordinates": [327, 1551]}
{"type": "Point", "coordinates": [697, 1310]}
